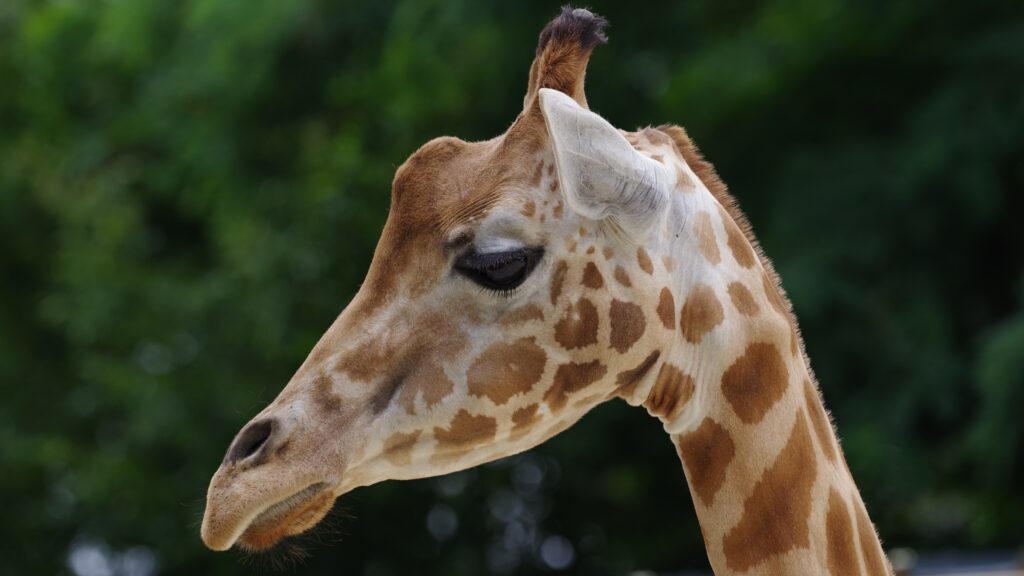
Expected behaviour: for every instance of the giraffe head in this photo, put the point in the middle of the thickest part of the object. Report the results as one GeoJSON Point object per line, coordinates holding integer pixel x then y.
{"type": "Point", "coordinates": [518, 282]}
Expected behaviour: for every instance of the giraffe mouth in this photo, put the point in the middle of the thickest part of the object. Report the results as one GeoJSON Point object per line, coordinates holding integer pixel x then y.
{"type": "Point", "coordinates": [289, 517]}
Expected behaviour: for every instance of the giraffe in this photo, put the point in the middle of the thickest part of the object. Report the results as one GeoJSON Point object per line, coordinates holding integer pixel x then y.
{"type": "Point", "coordinates": [521, 281]}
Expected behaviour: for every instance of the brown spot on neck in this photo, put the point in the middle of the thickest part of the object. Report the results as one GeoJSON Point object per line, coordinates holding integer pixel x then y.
{"type": "Point", "coordinates": [701, 313]}
{"type": "Point", "coordinates": [571, 378]}
{"type": "Point", "coordinates": [707, 453]}
{"type": "Point", "coordinates": [738, 244]}
{"type": "Point", "coordinates": [755, 382]}
{"type": "Point", "coordinates": [628, 324]}
{"type": "Point", "coordinates": [622, 277]}
{"type": "Point", "coordinates": [578, 326]}
{"type": "Point", "coordinates": [465, 431]}
{"type": "Point", "coordinates": [524, 416]}
{"type": "Point", "coordinates": [870, 547]}
{"type": "Point", "coordinates": [591, 276]}
{"type": "Point", "coordinates": [670, 393]}
{"type": "Point", "coordinates": [504, 370]}
{"type": "Point", "coordinates": [773, 293]}
{"type": "Point", "coordinates": [627, 380]}
{"type": "Point", "coordinates": [742, 299]}
{"type": "Point", "coordinates": [667, 309]}
{"type": "Point", "coordinates": [820, 421]}
{"type": "Point", "coordinates": [644, 260]}
{"type": "Point", "coordinates": [398, 447]}
{"type": "Point", "coordinates": [777, 512]}
{"type": "Point", "coordinates": [706, 241]}
{"type": "Point", "coordinates": [529, 209]}
{"type": "Point", "coordinates": [840, 552]}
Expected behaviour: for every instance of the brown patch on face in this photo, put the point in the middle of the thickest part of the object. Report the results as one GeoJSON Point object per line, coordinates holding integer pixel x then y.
{"type": "Point", "coordinates": [874, 558]}
{"type": "Point", "coordinates": [522, 315]}
{"type": "Point", "coordinates": [367, 361]}
{"type": "Point", "coordinates": [583, 232]}
{"type": "Point", "coordinates": [755, 382]}
{"type": "Point", "coordinates": [741, 249]}
{"type": "Point", "coordinates": [627, 380]}
{"type": "Point", "coordinates": [608, 253]}
{"type": "Point", "coordinates": [590, 252]}
{"type": "Point", "coordinates": [556, 212]}
{"type": "Point", "coordinates": [465, 430]}
{"type": "Point", "coordinates": [706, 241]}
{"type": "Point", "coordinates": [504, 370]}
{"type": "Point", "coordinates": [323, 394]}
{"type": "Point", "coordinates": [571, 378]}
{"type": "Point", "coordinates": [591, 277]}
{"type": "Point", "coordinates": [700, 314]}
{"type": "Point", "coordinates": [667, 309]}
{"type": "Point", "coordinates": [578, 325]}
{"type": "Point", "coordinates": [841, 554]}
{"type": "Point", "coordinates": [551, 169]}
{"type": "Point", "coordinates": [524, 416]}
{"type": "Point", "coordinates": [543, 218]}
{"type": "Point", "coordinates": [777, 512]}
{"type": "Point", "coordinates": [529, 209]}
{"type": "Point", "coordinates": [819, 421]}
{"type": "Point", "coordinates": [428, 379]}
{"type": "Point", "coordinates": [644, 260]}
{"type": "Point", "coordinates": [622, 277]}
{"type": "Point", "coordinates": [557, 279]}
{"type": "Point", "coordinates": [706, 453]}
{"type": "Point", "coordinates": [669, 262]}
{"type": "Point", "coordinates": [571, 245]}
{"type": "Point", "coordinates": [553, 187]}
{"type": "Point", "coordinates": [628, 324]}
{"type": "Point", "coordinates": [742, 299]}
{"type": "Point", "coordinates": [671, 391]}
{"type": "Point", "coordinates": [398, 447]}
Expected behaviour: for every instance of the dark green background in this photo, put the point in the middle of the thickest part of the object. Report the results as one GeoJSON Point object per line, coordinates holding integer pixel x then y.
{"type": "Point", "coordinates": [191, 190]}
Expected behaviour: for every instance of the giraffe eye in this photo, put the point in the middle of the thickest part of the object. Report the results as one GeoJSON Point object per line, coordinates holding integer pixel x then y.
{"type": "Point", "coordinates": [499, 271]}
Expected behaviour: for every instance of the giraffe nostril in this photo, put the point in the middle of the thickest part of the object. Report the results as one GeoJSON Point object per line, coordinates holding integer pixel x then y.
{"type": "Point", "coordinates": [250, 441]}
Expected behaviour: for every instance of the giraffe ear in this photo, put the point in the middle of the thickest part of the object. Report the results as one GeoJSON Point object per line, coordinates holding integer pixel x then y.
{"type": "Point", "coordinates": [600, 173]}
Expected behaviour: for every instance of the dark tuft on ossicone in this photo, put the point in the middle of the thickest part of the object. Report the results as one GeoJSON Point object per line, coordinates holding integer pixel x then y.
{"type": "Point", "coordinates": [574, 25]}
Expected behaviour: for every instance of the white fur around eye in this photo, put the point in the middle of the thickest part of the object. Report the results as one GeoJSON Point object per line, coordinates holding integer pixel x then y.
{"type": "Point", "coordinates": [496, 244]}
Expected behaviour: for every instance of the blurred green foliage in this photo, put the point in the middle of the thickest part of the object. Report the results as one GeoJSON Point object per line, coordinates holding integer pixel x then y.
{"type": "Point", "coordinates": [191, 190]}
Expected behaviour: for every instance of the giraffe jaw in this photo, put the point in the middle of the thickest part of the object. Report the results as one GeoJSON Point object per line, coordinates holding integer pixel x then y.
{"type": "Point", "coordinates": [267, 523]}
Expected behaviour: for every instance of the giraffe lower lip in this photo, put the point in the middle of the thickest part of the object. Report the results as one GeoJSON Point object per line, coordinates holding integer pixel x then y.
{"type": "Point", "coordinates": [293, 515]}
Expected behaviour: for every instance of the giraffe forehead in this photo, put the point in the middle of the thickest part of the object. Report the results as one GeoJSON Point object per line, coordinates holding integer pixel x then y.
{"type": "Point", "coordinates": [449, 183]}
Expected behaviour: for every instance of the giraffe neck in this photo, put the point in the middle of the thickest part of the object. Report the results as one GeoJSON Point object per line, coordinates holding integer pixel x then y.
{"type": "Point", "coordinates": [770, 485]}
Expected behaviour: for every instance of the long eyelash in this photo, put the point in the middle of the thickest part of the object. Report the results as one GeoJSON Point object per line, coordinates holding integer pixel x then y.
{"type": "Point", "coordinates": [503, 293]}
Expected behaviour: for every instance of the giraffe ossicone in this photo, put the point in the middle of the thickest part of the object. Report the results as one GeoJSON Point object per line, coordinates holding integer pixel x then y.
{"type": "Point", "coordinates": [523, 280]}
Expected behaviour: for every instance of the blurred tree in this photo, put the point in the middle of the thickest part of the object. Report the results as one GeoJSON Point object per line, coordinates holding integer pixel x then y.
{"type": "Point", "coordinates": [190, 191]}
